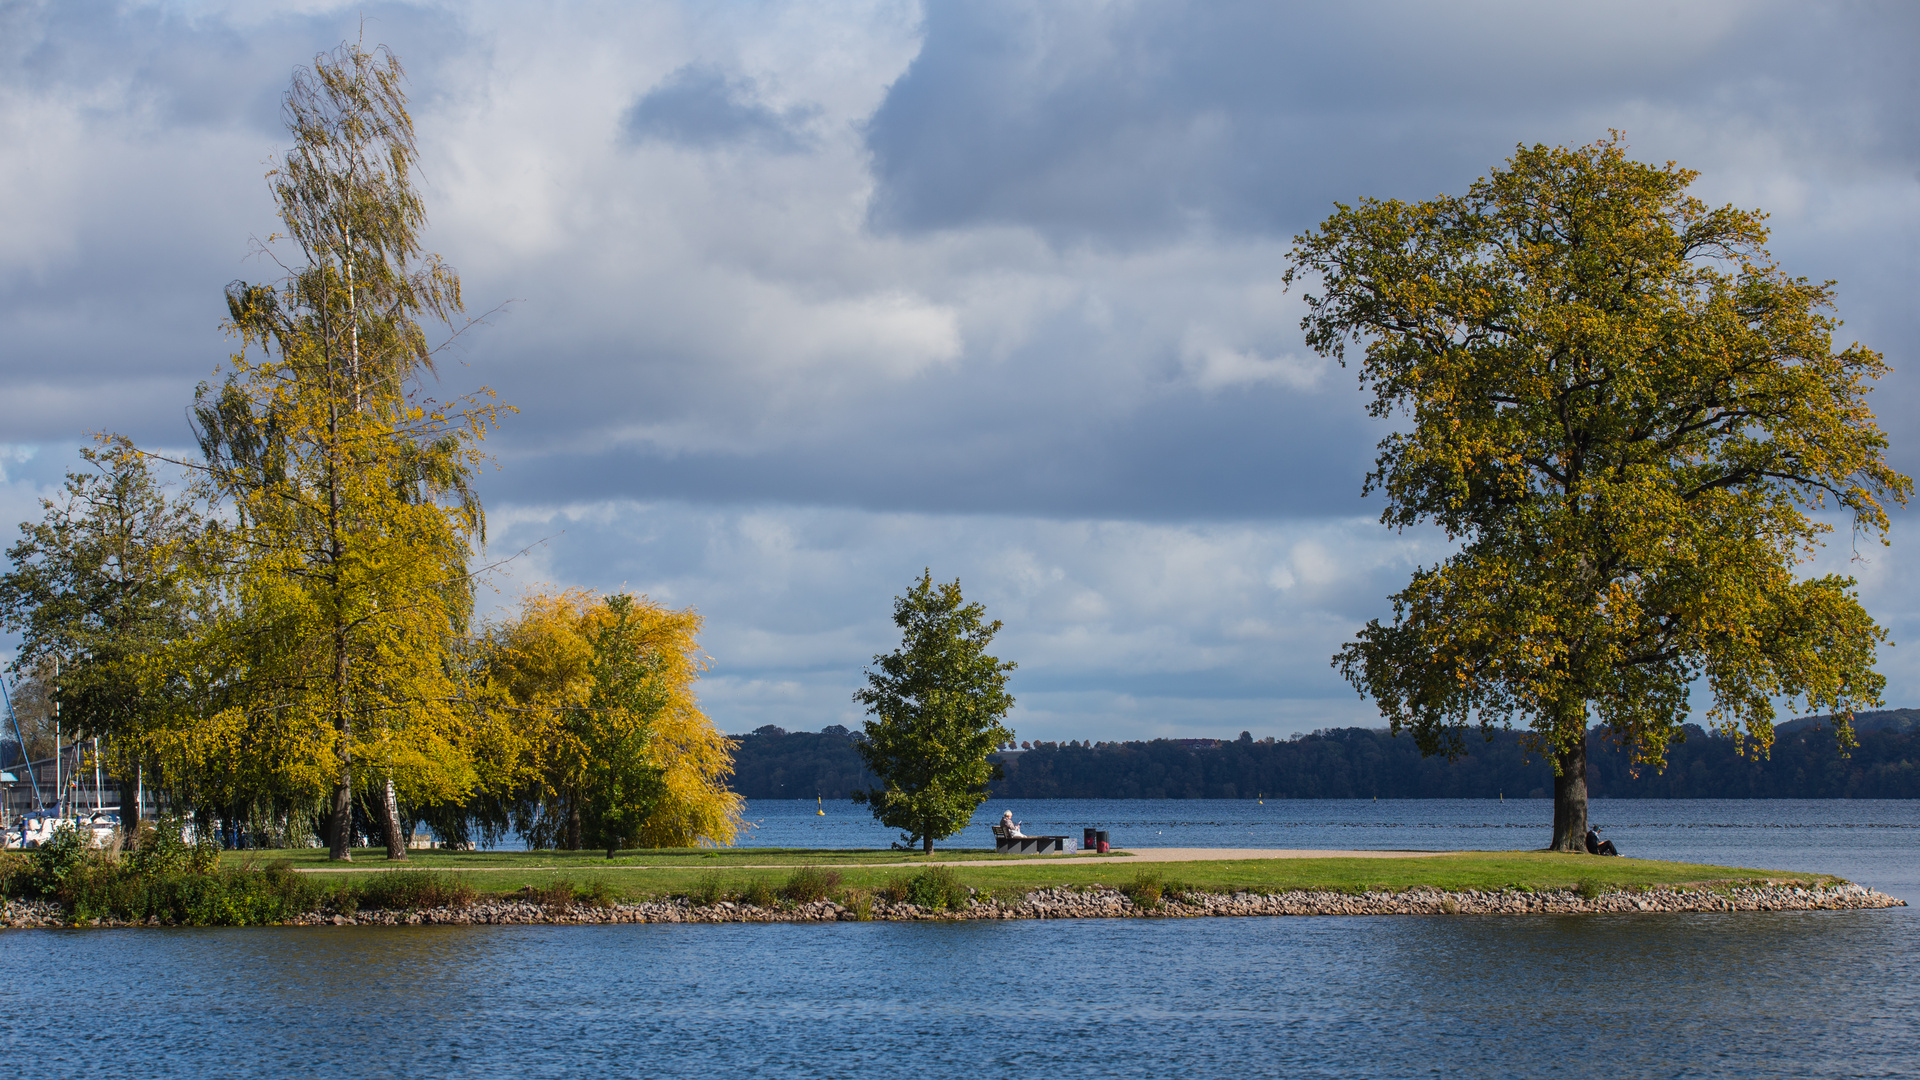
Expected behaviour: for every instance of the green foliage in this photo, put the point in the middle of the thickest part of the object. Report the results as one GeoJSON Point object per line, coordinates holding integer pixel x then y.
{"type": "Point", "coordinates": [561, 893]}
{"type": "Point", "coordinates": [895, 888]}
{"type": "Point", "coordinates": [605, 745]}
{"type": "Point", "coordinates": [937, 889]}
{"type": "Point", "coordinates": [860, 903]}
{"type": "Point", "coordinates": [96, 889]}
{"type": "Point", "coordinates": [60, 856]}
{"type": "Point", "coordinates": [621, 786]}
{"type": "Point", "coordinates": [937, 704]}
{"type": "Point", "coordinates": [709, 890]}
{"type": "Point", "coordinates": [16, 873]}
{"type": "Point", "coordinates": [811, 883]}
{"type": "Point", "coordinates": [411, 890]}
{"type": "Point", "coordinates": [160, 847]}
{"type": "Point", "coordinates": [101, 583]}
{"type": "Point", "coordinates": [760, 893]}
{"type": "Point", "coordinates": [1144, 890]}
{"type": "Point", "coordinates": [1590, 889]}
{"type": "Point", "coordinates": [1629, 417]}
{"type": "Point", "coordinates": [346, 514]}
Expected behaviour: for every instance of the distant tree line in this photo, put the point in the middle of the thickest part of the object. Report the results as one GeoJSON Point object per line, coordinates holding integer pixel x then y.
{"type": "Point", "coordinates": [1361, 763]}
{"type": "Point", "coordinates": [773, 763]}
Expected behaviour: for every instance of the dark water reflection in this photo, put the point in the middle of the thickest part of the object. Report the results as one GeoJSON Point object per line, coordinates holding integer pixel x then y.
{"type": "Point", "coordinates": [1822, 994]}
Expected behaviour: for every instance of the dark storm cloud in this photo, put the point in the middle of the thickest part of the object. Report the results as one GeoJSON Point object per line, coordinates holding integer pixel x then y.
{"type": "Point", "coordinates": [1260, 454]}
{"type": "Point", "coordinates": [1118, 123]}
{"type": "Point", "coordinates": [701, 107]}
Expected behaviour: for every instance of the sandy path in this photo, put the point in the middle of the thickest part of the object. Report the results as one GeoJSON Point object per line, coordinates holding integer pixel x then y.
{"type": "Point", "coordinates": [1168, 854]}
{"type": "Point", "coordinates": [1202, 854]}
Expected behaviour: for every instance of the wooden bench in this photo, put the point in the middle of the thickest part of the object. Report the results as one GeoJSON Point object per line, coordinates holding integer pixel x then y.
{"type": "Point", "coordinates": [1025, 845]}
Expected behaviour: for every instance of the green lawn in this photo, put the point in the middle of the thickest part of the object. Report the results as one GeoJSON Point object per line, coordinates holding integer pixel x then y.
{"type": "Point", "coordinates": [666, 873]}
{"type": "Point", "coordinates": [583, 861]}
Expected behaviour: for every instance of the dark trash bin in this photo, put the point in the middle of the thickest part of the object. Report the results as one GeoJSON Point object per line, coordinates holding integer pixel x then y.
{"type": "Point", "coordinates": [1102, 835]}
{"type": "Point", "coordinates": [1091, 841]}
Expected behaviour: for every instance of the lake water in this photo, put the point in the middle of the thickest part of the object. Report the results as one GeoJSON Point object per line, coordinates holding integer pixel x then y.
{"type": "Point", "coordinates": [1823, 994]}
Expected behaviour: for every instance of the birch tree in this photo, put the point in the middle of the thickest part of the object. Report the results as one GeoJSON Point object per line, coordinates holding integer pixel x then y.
{"type": "Point", "coordinates": [352, 514]}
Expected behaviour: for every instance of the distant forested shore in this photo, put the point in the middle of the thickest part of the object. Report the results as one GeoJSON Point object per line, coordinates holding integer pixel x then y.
{"type": "Point", "coordinates": [1361, 763]}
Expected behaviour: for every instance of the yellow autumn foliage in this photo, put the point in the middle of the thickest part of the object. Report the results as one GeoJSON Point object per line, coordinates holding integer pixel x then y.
{"type": "Point", "coordinates": [540, 674]}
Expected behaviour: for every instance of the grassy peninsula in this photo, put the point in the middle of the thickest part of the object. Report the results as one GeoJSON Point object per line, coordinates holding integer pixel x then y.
{"type": "Point", "coordinates": [647, 874]}
{"type": "Point", "coordinates": [65, 883]}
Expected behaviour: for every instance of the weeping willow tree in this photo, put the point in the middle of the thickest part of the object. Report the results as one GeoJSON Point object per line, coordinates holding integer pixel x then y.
{"type": "Point", "coordinates": [612, 747]}
{"type": "Point", "coordinates": [350, 514]}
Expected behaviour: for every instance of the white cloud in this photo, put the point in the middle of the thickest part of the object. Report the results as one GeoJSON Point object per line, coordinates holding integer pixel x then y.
{"type": "Point", "coordinates": [989, 289]}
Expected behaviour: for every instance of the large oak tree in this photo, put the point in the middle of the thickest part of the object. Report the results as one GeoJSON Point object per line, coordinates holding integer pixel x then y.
{"type": "Point", "coordinates": [1635, 426]}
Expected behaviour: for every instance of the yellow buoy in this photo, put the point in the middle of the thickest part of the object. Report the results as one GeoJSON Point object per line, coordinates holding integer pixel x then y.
{"type": "Point", "coordinates": [822, 810]}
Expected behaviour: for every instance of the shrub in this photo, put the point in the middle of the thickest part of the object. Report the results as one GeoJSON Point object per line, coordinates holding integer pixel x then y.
{"type": "Point", "coordinates": [234, 898]}
{"type": "Point", "coordinates": [162, 848]}
{"type": "Point", "coordinates": [759, 892]}
{"type": "Point", "coordinates": [16, 874]}
{"type": "Point", "coordinates": [707, 891]}
{"type": "Point", "coordinates": [894, 889]}
{"type": "Point", "coordinates": [60, 857]}
{"type": "Point", "coordinates": [936, 889]}
{"type": "Point", "coordinates": [597, 892]}
{"type": "Point", "coordinates": [557, 893]}
{"type": "Point", "coordinates": [1590, 889]}
{"type": "Point", "coordinates": [407, 890]}
{"type": "Point", "coordinates": [811, 883]}
{"type": "Point", "coordinates": [860, 902]}
{"type": "Point", "coordinates": [1144, 890]}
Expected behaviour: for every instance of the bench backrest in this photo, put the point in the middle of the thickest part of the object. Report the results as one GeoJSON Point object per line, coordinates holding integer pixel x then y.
{"type": "Point", "coordinates": [1000, 831]}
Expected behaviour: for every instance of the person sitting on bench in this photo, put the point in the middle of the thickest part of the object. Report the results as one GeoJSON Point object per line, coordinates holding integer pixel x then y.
{"type": "Point", "coordinates": [1597, 846]}
{"type": "Point", "coordinates": [1011, 826]}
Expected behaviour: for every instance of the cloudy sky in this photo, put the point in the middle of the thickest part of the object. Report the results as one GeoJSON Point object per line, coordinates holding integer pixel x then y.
{"type": "Point", "coordinates": [800, 299]}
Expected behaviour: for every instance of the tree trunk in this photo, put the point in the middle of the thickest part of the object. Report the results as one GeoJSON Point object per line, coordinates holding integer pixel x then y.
{"type": "Point", "coordinates": [573, 824]}
{"type": "Point", "coordinates": [1570, 798]}
{"type": "Point", "coordinates": [340, 844]}
{"type": "Point", "coordinates": [390, 824]}
{"type": "Point", "coordinates": [129, 802]}
{"type": "Point", "coordinates": [926, 845]}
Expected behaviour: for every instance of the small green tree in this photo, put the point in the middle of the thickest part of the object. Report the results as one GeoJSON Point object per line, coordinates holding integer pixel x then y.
{"type": "Point", "coordinates": [937, 703]}
{"type": "Point", "coordinates": [1629, 419]}
{"type": "Point", "coordinates": [101, 583]}
{"type": "Point", "coordinates": [621, 785]}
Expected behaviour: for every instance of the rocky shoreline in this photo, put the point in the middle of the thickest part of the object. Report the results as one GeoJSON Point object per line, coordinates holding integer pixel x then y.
{"type": "Point", "coordinates": [1098, 902]}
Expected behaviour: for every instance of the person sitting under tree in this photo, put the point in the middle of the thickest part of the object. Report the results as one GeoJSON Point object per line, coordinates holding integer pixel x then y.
{"type": "Point", "coordinates": [1597, 846]}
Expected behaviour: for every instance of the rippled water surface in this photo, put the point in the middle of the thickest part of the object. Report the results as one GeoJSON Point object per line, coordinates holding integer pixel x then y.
{"type": "Point", "coordinates": [1800, 994]}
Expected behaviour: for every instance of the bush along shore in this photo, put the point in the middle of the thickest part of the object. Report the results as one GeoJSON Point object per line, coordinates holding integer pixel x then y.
{"type": "Point", "coordinates": [101, 897]}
